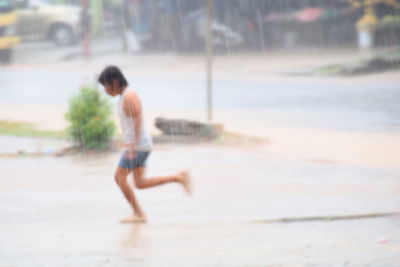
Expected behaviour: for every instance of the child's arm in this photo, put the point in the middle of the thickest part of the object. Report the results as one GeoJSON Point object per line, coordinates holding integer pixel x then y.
{"type": "Point", "coordinates": [132, 108]}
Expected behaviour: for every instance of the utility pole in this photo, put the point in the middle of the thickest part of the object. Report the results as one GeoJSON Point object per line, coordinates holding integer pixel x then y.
{"type": "Point", "coordinates": [85, 20]}
{"type": "Point", "coordinates": [123, 25]}
{"type": "Point", "coordinates": [209, 48]}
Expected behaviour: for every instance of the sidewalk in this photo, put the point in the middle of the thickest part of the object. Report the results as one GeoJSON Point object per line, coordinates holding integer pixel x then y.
{"type": "Point", "coordinates": [250, 64]}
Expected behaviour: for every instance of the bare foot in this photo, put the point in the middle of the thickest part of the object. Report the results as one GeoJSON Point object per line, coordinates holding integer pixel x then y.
{"type": "Point", "coordinates": [186, 182]}
{"type": "Point", "coordinates": [134, 219]}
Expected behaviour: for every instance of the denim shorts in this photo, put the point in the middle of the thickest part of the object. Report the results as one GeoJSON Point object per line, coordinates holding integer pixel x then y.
{"type": "Point", "coordinates": [138, 161]}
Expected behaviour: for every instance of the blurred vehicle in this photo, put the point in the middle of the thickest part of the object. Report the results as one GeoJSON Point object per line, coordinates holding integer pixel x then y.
{"type": "Point", "coordinates": [184, 31]}
{"type": "Point", "coordinates": [8, 37]}
{"type": "Point", "coordinates": [194, 32]}
{"type": "Point", "coordinates": [39, 20]}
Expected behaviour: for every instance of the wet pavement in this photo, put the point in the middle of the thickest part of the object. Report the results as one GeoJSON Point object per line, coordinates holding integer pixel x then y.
{"type": "Point", "coordinates": [13, 145]}
{"type": "Point", "coordinates": [331, 149]}
{"type": "Point", "coordinates": [65, 212]}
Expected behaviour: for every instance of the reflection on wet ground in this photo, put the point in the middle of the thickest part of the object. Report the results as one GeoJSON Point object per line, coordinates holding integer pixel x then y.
{"type": "Point", "coordinates": [65, 211]}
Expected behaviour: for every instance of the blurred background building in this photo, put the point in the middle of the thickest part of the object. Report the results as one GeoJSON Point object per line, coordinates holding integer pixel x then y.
{"type": "Point", "coordinates": [252, 24]}
{"type": "Point", "coordinates": [179, 25]}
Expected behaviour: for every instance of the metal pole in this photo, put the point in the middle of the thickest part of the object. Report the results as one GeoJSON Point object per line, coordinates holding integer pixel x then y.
{"type": "Point", "coordinates": [124, 28]}
{"type": "Point", "coordinates": [210, 11]}
{"type": "Point", "coordinates": [85, 20]}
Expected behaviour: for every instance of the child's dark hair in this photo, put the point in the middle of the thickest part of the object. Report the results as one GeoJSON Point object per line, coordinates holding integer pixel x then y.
{"type": "Point", "coordinates": [111, 73]}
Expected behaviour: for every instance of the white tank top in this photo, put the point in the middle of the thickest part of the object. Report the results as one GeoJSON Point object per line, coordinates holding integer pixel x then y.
{"type": "Point", "coordinates": [144, 143]}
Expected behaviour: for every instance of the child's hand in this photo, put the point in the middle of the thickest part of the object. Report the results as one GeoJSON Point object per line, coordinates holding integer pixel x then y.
{"type": "Point", "coordinates": [131, 151]}
{"type": "Point", "coordinates": [131, 154]}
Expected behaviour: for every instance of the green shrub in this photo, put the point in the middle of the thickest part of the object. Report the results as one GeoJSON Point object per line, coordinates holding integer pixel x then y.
{"type": "Point", "coordinates": [90, 117]}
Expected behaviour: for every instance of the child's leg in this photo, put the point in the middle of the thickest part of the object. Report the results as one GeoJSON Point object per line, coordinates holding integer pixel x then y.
{"type": "Point", "coordinates": [121, 179]}
{"type": "Point", "coordinates": [142, 182]}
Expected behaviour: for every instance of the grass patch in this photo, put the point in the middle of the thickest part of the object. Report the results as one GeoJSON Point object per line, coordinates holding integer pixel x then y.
{"type": "Point", "coordinates": [26, 129]}
{"type": "Point", "coordinates": [331, 69]}
{"type": "Point", "coordinates": [391, 54]}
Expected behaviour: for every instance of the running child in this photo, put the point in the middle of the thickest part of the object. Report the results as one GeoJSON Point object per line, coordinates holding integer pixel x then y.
{"type": "Point", "coordinates": [137, 141]}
